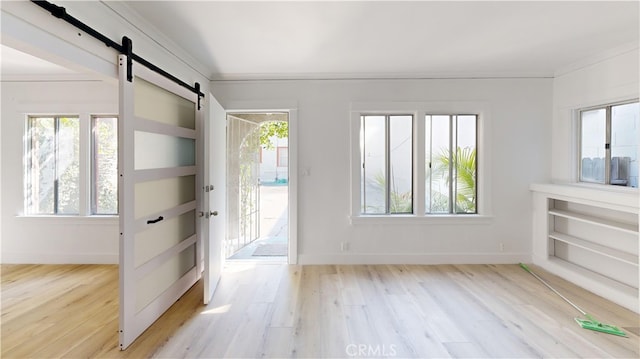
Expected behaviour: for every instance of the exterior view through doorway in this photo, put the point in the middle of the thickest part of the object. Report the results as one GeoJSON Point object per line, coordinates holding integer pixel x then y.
{"type": "Point", "coordinates": [258, 186]}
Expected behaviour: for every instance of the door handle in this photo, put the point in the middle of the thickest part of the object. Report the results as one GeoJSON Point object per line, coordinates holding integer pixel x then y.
{"type": "Point", "coordinates": [208, 214]}
{"type": "Point", "coordinates": [152, 221]}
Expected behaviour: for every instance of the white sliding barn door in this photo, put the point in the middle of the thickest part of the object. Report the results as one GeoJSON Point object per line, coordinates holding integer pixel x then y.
{"type": "Point", "coordinates": [159, 247]}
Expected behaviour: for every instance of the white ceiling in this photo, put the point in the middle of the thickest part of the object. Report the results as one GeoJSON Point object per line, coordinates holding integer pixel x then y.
{"type": "Point", "coordinates": [272, 40]}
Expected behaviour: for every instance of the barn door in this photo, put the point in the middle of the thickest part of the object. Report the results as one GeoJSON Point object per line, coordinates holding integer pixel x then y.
{"type": "Point", "coordinates": [159, 246]}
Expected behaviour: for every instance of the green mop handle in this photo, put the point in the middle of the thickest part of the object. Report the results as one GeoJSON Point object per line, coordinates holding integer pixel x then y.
{"type": "Point", "coordinates": [524, 266]}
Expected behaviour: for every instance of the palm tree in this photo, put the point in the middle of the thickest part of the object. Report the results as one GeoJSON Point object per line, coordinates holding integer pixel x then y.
{"type": "Point", "coordinates": [465, 176]}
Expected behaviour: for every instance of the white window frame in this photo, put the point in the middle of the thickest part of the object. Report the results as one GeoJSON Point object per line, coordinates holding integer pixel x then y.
{"type": "Point", "coordinates": [92, 170]}
{"type": "Point", "coordinates": [86, 164]}
{"type": "Point", "coordinates": [578, 135]}
{"type": "Point", "coordinates": [388, 160]}
{"type": "Point", "coordinates": [27, 163]}
{"type": "Point", "coordinates": [453, 146]}
{"type": "Point", "coordinates": [419, 110]}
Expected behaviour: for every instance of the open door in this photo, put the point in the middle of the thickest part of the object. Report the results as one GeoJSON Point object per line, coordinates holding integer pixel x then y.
{"type": "Point", "coordinates": [158, 190]}
{"type": "Point", "coordinates": [213, 228]}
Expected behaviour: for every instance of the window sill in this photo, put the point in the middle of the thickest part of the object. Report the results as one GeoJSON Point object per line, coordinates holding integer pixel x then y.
{"type": "Point", "coordinates": [603, 187]}
{"type": "Point", "coordinates": [471, 219]}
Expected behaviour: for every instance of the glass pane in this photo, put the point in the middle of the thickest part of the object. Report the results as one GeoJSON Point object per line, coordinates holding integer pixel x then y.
{"type": "Point", "coordinates": [105, 166]}
{"type": "Point", "coordinates": [161, 236]}
{"type": "Point", "coordinates": [437, 155]}
{"type": "Point", "coordinates": [465, 162]}
{"type": "Point", "coordinates": [41, 166]}
{"type": "Point", "coordinates": [592, 140]}
{"type": "Point", "coordinates": [373, 176]}
{"type": "Point", "coordinates": [155, 196]}
{"type": "Point", "coordinates": [625, 132]}
{"type": "Point", "coordinates": [157, 104]}
{"type": "Point", "coordinates": [68, 165]}
{"type": "Point", "coordinates": [168, 151]}
{"type": "Point", "coordinates": [401, 163]}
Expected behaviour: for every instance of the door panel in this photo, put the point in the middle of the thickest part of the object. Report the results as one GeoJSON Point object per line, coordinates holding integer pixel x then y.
{"type": "Point", "coordinates": [157, 198]}
{"type": "Point", "coordinates": [163, 106]}
{"type": "Point", "coordinates": [164, 235]}
{"type": "Point", "coordinates": [157, 281]}
{"type": "Point", "coordinates": [174, 190]}
{"type": "Point", "coordinates": [168, 151]}
{"type": "Point", "coordinates": [215, 200]}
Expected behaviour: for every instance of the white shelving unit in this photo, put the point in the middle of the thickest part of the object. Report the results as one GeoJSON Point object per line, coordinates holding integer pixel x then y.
{"type": "Point", "coordinates": [590, 237]}
{"type": "Point", "coordinates": [596, 248]}
{"type": "Point", "coordinates": [618, 226]}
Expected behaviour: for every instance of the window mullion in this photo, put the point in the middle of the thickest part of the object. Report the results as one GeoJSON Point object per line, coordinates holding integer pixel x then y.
{"type": "Point", "coordinates": [363, 193]}
{"type": "Point", "coordinates": [419, 164]}
{"type": "Point", "coordinates": [454, 150]}
{"type": "Point", "coordinates": [430, 164]}
{"type": "Point", "coordinates": [450, 164]}
{"type": "Point", "coordinates": [387, 163]}
{"type": "Point", "coordinates": [56, 155]}
{"type": "Point", "coordinates": [93, 166]}
{"type": "Point", "coordinates": [607, 147]}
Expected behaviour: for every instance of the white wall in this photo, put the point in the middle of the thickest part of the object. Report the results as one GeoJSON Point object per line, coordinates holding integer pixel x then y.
{"type": "Point", "coordinates": [269, 169]}
{"type": "Point", "coordinates": [520, 111]}
{"type": "Point", "coordinates": [608, 78]}
{"type": "Point", "coordinates": [606, 81]}
{"type": "Point", "coordinates": [51, 239]}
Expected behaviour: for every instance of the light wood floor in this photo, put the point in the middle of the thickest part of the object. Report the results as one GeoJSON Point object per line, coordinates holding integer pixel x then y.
{"type": "Point", "coordinates": [275, 310]}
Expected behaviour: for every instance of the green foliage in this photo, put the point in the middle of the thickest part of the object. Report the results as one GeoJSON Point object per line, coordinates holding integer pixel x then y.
{"type": "Point", "coordinates": [248, 163]}
{"type": "Point", "coordinates": [399, 202]}
{"type": "Point", "coordinates": [280, 129]}
{"type": "Point", "coordinates": [465, 179]}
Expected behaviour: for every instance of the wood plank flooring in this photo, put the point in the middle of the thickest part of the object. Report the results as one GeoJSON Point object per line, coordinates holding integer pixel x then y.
{"type": "Point", "coordinates": [280, 311]}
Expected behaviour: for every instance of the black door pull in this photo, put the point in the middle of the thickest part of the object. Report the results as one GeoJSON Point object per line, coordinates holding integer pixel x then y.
{"type": "Point", "coordinates": [151, 221]}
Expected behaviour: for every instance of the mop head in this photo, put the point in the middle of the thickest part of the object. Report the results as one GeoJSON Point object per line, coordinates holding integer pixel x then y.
{"type": "Point", "coordinates": [593, 324]}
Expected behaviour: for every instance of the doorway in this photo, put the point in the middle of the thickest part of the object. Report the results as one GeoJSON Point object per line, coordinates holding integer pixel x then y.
{"type": "Point", "coordinates": [257, 186]}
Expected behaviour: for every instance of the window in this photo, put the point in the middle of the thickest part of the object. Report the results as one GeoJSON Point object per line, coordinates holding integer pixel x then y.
{"type": "Point", "coordinates": [104, 199]}
{"type": "Point", "coordinates": [450, 155]}
{"type": "Point", "coordinates": [57, 179]}
{"type": "Point", "coordinates": [283, 156]}
{"type": "Point", "coordinates": [386, 149]}
{"type": "Point", "coordinates": [609, 138]}
{"type": "Point", "coordinates": [419, 161]}
{"type": "Point", "coordinates": [52, 165]}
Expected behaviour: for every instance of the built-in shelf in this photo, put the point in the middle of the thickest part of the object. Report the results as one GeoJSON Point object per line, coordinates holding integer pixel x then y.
{"type": "Point", "coordinates": [603, 222]}
{"type": "Point", "coordinates": [590, 237]}
{"type": "Point", "coordinates": [596, 248]}
{"type": "Point", "coordinates": [601, 280]}
{"type": "Point", "coordinates": [572, 224]}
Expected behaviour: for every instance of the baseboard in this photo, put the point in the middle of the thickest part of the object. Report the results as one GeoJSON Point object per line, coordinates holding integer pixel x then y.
{"type": "Point", "coordinates": [428, 258]}
{"type": "Point", "coordinates": [58, 258]}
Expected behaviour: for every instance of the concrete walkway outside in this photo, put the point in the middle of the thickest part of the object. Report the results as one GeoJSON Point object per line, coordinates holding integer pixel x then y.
{"type": "Point", "coordinates": [274, 227]}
